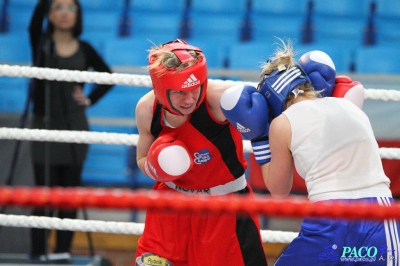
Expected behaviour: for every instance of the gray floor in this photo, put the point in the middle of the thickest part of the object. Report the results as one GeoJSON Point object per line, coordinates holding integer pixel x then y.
{"type": "Point", "coordinates": [16, 240]}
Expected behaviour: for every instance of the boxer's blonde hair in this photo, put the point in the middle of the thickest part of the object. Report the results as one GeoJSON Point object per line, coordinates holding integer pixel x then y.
{"type": "Point", "coordinates": [169, 60]}
{"type": "Point", "coordinates": [284, 58]}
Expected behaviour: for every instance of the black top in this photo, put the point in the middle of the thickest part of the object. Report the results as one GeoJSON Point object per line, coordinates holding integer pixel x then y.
{"type": "Point", "coordinates": [65, 112]}
{"type": "Point", "coordinates": [44, 55]}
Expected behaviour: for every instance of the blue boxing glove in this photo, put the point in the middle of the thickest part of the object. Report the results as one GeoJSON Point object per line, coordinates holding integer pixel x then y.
{"type": "Point", "coordinates": [320, 69]}
{"type": "Point", "coordinates": [247, 110]}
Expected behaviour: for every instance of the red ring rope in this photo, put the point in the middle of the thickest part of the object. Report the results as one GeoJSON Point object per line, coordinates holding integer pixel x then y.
{"type": "Point", "coordinates": [126, 199]}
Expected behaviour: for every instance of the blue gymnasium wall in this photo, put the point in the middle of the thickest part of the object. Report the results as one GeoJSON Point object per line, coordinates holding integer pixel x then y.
{"type": "Point", "coordinates": [361, 36]}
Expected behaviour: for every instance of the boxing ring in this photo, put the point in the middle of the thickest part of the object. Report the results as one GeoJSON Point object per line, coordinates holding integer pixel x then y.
{"type": "Point", "coordinates": [126, 199]}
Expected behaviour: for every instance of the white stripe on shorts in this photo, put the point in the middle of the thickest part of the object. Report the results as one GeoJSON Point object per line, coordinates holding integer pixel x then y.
{"type": "Point", "coordinates": [392, 236]}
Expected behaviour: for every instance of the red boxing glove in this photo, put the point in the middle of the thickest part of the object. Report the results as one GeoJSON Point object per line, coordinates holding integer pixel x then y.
{"type": "Point", "coordinates": [167, 159]}
{"type": "Point", "coordinates": [351, 90]}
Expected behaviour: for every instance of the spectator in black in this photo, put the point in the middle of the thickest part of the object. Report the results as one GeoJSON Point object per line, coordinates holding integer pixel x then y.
{"type": "Point", "coordinates": [60, 105]}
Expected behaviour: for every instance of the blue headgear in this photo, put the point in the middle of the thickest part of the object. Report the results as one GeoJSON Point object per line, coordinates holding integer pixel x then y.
{"type": "Point", "coordinates": [278, 84]}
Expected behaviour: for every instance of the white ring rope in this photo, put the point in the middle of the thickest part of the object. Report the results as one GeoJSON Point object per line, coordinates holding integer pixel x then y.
{"type": "Point", "coordinates": [71, 224]}
{"type": "Point", "coordinates": [110, 227]}
{"type": "Point", "coordinates": [383, 95]}
{"type": "Point", "coordinates": [90, 137]}
{"type": "Point", "coordinates": [69, 136]}
{"type": "Point", "coordinates": [75, 75]}
{"type": "Point", "coordinates": [132, 79]}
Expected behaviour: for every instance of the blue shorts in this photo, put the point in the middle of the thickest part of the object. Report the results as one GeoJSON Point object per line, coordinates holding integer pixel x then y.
{"type": "Point", "coordinates": [330, 242]}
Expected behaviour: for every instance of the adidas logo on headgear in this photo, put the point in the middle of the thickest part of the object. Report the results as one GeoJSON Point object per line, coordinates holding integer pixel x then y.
{"type": "Point", "coordinates": [191, 81]}
{"type": "Point", "coordinates": [242, 129]}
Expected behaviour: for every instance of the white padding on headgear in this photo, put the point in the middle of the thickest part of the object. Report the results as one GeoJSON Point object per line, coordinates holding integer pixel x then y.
{"type": "Point", "coordinates": [174, 160]}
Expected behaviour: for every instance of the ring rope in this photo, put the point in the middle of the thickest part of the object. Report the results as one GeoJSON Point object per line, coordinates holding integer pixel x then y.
{"type": "Point", "coordinates": [74, 75]}
{"type": "Point", "coordinates": [133, 79]}
{"type": "Point", "coordinates": [71, 224]}
{"type": "Point", "coordinates": [69, 136]}
{"type": "Point", "coordinates": [73, 198]}
{"type": "Point", "coordinates": [92, 137]}
{"type": "Point", "coordinates": [10, 220]}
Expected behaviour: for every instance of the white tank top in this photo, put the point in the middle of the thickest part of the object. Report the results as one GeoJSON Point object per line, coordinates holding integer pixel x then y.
{"type": "Point", "coordinates": [335, 150]}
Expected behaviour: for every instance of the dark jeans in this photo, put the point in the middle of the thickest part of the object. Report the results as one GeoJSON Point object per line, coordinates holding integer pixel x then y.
{"type": "Point", "coordinates": [62, 176]}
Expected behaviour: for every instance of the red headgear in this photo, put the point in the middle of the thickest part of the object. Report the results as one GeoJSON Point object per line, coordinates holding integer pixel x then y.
{"type": "Point", "coordinates": [187, 79]}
